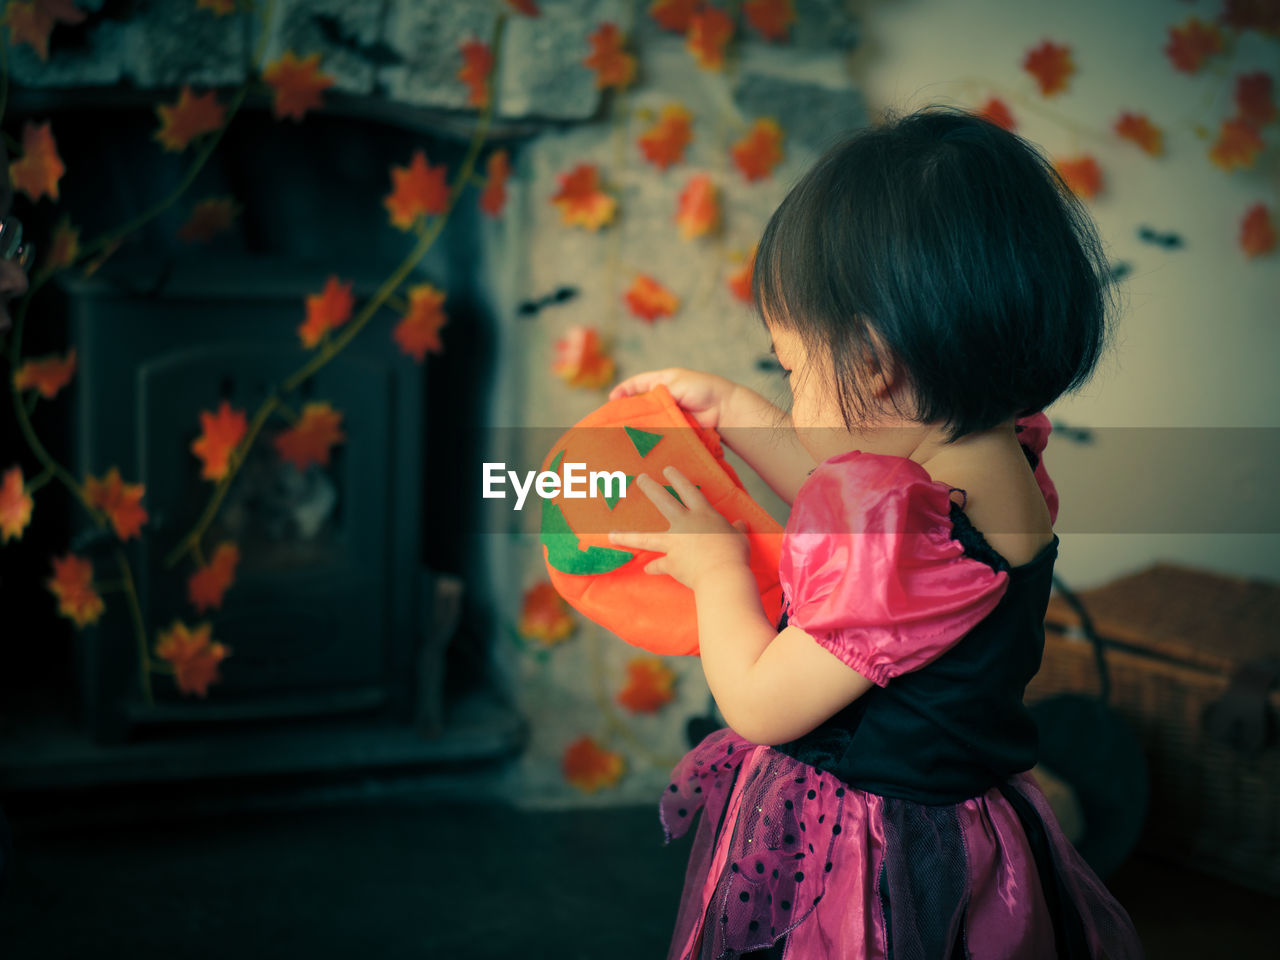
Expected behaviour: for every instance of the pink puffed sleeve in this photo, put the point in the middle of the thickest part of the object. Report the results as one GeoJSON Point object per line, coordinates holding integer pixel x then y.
{"type": "Point", "coordinates": [870, 569]}
{"type": "Point", "coordinates": [1033, 434]}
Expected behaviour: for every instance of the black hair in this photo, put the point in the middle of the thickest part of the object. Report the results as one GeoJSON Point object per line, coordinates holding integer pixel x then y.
{"type": "Point", "coordinates": [947, 249]}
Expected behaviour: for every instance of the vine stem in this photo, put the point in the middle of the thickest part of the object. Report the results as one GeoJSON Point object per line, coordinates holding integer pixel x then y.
{"type": "Point", "coordinates": [139, 628]}
{"type": "Point", "coordinates": [427, 235]}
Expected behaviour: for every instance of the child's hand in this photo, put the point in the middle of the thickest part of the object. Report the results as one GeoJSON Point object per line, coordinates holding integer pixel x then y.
{"type": "Point", "coordinates": [689, 558]}
{"type": "Point", "coordinates": [703, 395]}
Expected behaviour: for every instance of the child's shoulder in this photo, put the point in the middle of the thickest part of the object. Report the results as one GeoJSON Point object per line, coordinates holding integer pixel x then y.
{"type": "Point", "coordinates": [863, 492]}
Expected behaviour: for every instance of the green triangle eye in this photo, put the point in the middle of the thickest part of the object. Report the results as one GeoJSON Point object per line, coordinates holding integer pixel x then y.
{"type": "Point", "coordinates": [642, 440]}
{"type": "Point", "coordinates": [613, 500]}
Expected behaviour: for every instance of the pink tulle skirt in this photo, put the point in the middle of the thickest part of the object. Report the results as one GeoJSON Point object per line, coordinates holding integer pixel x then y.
{"type": "Point", "coordinates": [786, 851]}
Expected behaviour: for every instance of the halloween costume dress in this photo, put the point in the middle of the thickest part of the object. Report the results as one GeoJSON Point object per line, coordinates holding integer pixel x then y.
{"type": "Point", "coordinates": [906, 826]}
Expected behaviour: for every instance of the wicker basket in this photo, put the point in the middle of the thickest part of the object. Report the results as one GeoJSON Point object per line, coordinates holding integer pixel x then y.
{"type": "Point", "coordinates": [1176, 639]}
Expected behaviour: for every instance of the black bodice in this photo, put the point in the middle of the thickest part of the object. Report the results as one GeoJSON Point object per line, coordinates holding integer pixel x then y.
{"type": "Point", "coordinates": [956, 727]}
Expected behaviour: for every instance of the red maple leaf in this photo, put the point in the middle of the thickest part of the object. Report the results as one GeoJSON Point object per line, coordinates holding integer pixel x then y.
{"type": "Point", "coordinates": [64, 247]}
{"type": "Point", "coordinates": [1136, 127]}
{"type": "Point", "coordinates": [760, 150]}
{"type": "Point", "coordinates": [31, 21]}
{"type": "Point", "coordinates": [740, 279]}
{"type": "Point", "coordinates": [580, 359]}
{"type": "Point", "coordinates": [477, 61]}
{"type": "Point", "coordinates": [1254, 101]}
{"type": "Point", "coordinates": [494, 196]}
{"type": "Point", "coordinates": [1192, 43]}
{"type": "Point", "coordinates": [1082, 174]}
{"type": "Point", "coordinates": [710, 30]}
{"type": "Point", "coordinates": [1051, 65]}
{"type": "Point", "coordinates": [209, 218]}
{"type": "Point", "coordinates": [772, 18]}
{"type": "Point", "coordinates": [1237, 146]}
{"type": "Point", "coordinates": [15, 505]}
{"type": "Point", "coordinates": [580, 199]}
{"type": "Point", "coordinates": [312, 438]}
{"type": "Point", "coordinates": [528, 7]}
{"type": "Point", "coordinates": [220, 434]}
{"type": "Point", "coordinates": [418, 190]}
{"type": "Point", "coordinates": [47, 375]}
{"type": "Point", "coordinates": [1260, 15]}
{"type": "Point", "coordinates": [120, 501]}
{"type": "Point", "coordinates": [590, 767]}
{"type": "Point", "coordinates": [1257, 232]}
{"type": "Point", "coordinates": [193, 654]}
{"type": "Point", "coordinates": [419, 331]}
{"type": "Point", "coordinates": [674, 15]}
{"type": "Point", "coordinates": [614, 67]}
{"type": "Point", "coordinates": [664, 143]}
{"type": "Point", "coordinates": [650, 685]}
{"type": "Point", "coordinates": [649, 300]}
{"type": "Point", "coordinates": [190, 117]}
{"type": "Point", "coordinates": [207, 586]}
{"type": "Point", "coordinates": [298, 85]}
{"type": "Point", "coordinates": [698, 209]}
{"type": "Point", "coordinates": [326, 310]}
{"type": "Point", "coordinates": [72, 584]}
{"type": "Point", "coordinates": [40, 168]}
{"type": "Point", "coordinates": [544, 616]}
{"type": "Point", "coordinates": [997, 111]}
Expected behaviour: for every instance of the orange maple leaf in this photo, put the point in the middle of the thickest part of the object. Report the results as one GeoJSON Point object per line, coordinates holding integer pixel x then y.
{"type": "Point", "coordinates": [40, 168]}
{"type": "Point", "coordinates": [698, 209]}
{"type": "Point", "coordinates": [528, 7]}
{"type": "Point", "coordinates": [418, 190]}
{"type": "Point", "coordinates": [72, 584]}
{"type": "Point", "coordinates": [326, 310]}
{"type": "Point", "coordinates": [590, 767]}
{"type": "Point", "coordinates": [208, 218]}
{"type": "Point", "coordinates": [1082, 174]}
{"type": "Point", "coordinates": [494, 196]}
{"type": "Point", "coordinates": [650, 685]}
{"type": "Point", "coordinates": [710, 30]}
{"type": "Point", "coordinates": [64, 247]}
{"type": "Point", "coordinates": [298, 85]}
{"type": "Point", "coordinates": [207, 586]}
{"type": "Point", "coordinates": [1254, 102]}
{"type": "Point", "coordinates": [1257, 232]}
{"type": "Point", "coordinates": [194, 655]}
{"type": "Point", "coordinates": [1260, 15]}
{"type": "Point", "coordinates": [544, 616]}
{"type": "Point", "coordinates": [664, 143]}
{"type": "Point", "coordinates": [220, 8]}
{"type": "Point", "coordinates": [1136, 127]}
{"type": "Point", "coordinates": [190, 117]}
{"type": "Point", "coordinates": [580, 199]}
{"type": "Point", "coordinates": [312, 438]}
{"type": "Point", "coordinates": [419, 331]}
{"type": "Point", "coordinates": [580, 359]}
{"type": "Point", "coordinates": [31, 21]}
{"type": "Point", "coordinates": [674, 15]}
{"type": "Point", "coordinates": [220, 434]}
{"type": "Point", "coordinates": [997, 111]}
{"type": "Point", "coordinates": [47, 375]}
{"type": "Point", "coordinates": [477, 61]}
{"type": "Point", "coordinates": [1238, 145]}
{"type": "Point", "coordinates": [649, 300]}
{"type": "Point", "coordinates": [15, 505]}
{"type": "Point", "coordinates": [1192, 43]}
{"type": "Point", "coordinates": [760, 150]}
{"type": "Point", "coordinates": [740, 280]}
{"type": "Point", "coordinates": [772, 18]}
{"type": "Point", "coordinates": [1051, 65]}
{"type": "Point", "coordinates": [120, 501]}
{"type": "Point", "coordinates": [614, 67]}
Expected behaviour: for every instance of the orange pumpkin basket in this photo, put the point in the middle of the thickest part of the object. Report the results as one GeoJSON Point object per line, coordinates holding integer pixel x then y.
{"type": "Point", "coordinates": [632, 435]}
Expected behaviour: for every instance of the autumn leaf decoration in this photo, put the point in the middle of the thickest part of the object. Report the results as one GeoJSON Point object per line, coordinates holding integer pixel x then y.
{"type": "Point", "coordinates": [120, 501]}
{"type": "Point", "coordinates": [649, 300]}
{"type": "Point", "coordinates": [709, 33]}
{"type": "Point", "coordinates": [312, 438]}
{"type": "Point", "coordinates": [209, 218]}
{"type": "Point", "coordinates": [613, 66]}
{"type": "Point", "coordinates": [998, 112]}
{"type": "Point", "coordinates": [219, 8]}
{"type": "Point", "coordinates": [1082, 174]}
{"type": "Point", "coordinates": [15, 505]}
{"type": "Point", "coordinates": [580, 359]}
{"type": "Point", "coordinates": [477, 61]}
{"type": "Point", "coordinates": [418, 333]}
{"type": "Point", "coordinates": [31, 21]}
{"type": "Point", "coordinates": [1237, 146]}
{"type": "Point", "coordinates": [590, 767]}
{"type": "Point", "coordinates": [650, 684]}
{"type": "Point", "coordinates": [64, 247]}
{"type": "Point", "coordinates": [210, 582]}
{"type": "Point", "coordinates": [760, 150]}
{"type": "Point", "coordinates": [46, 376]}
{"type": "Point", "coordinates": [418, 190]}
{"type": "Point", "coordinates": [664, 143]}
{"type": "Point", "coordinates": [1138, 129]}
{"type": "Point", "coordinates": [72, 584]}
{"type": "Point", "coordinates": [220, 434]}
{"type": "Point", "coordinates": [740, 279]}
{"type": "Point", "coordinates": [297, 85]}
{"type": "Point", "coordinates": [326, 310]}
{"type": "Point", "coordinates": [580, 199]}
{"type": "Point", "coordinates": [1051, 65]}
{"type": "Point", "coordinates": [772, 19]}
{"type": "Point", "coordinates": [674, 15]}
{"type": "Point", "coordinates": [544, 615]}
{"type": "Point", "coordinates": [698, 209]}
{"type": "Point", "coordinates": [528, 8]}
{"type": "Point", "coordinates": [193, 654]}
{"type": "Point", "coordinates": [1192, 43]}
{"type": "Point", "coordinates": [190, 117]}
{"type": "Point", "coordinates": [494, 196]}
{"type": "Point", "coordinates": [40, 168]}
{"type": "Point", "coordinates": [1257, 232]}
